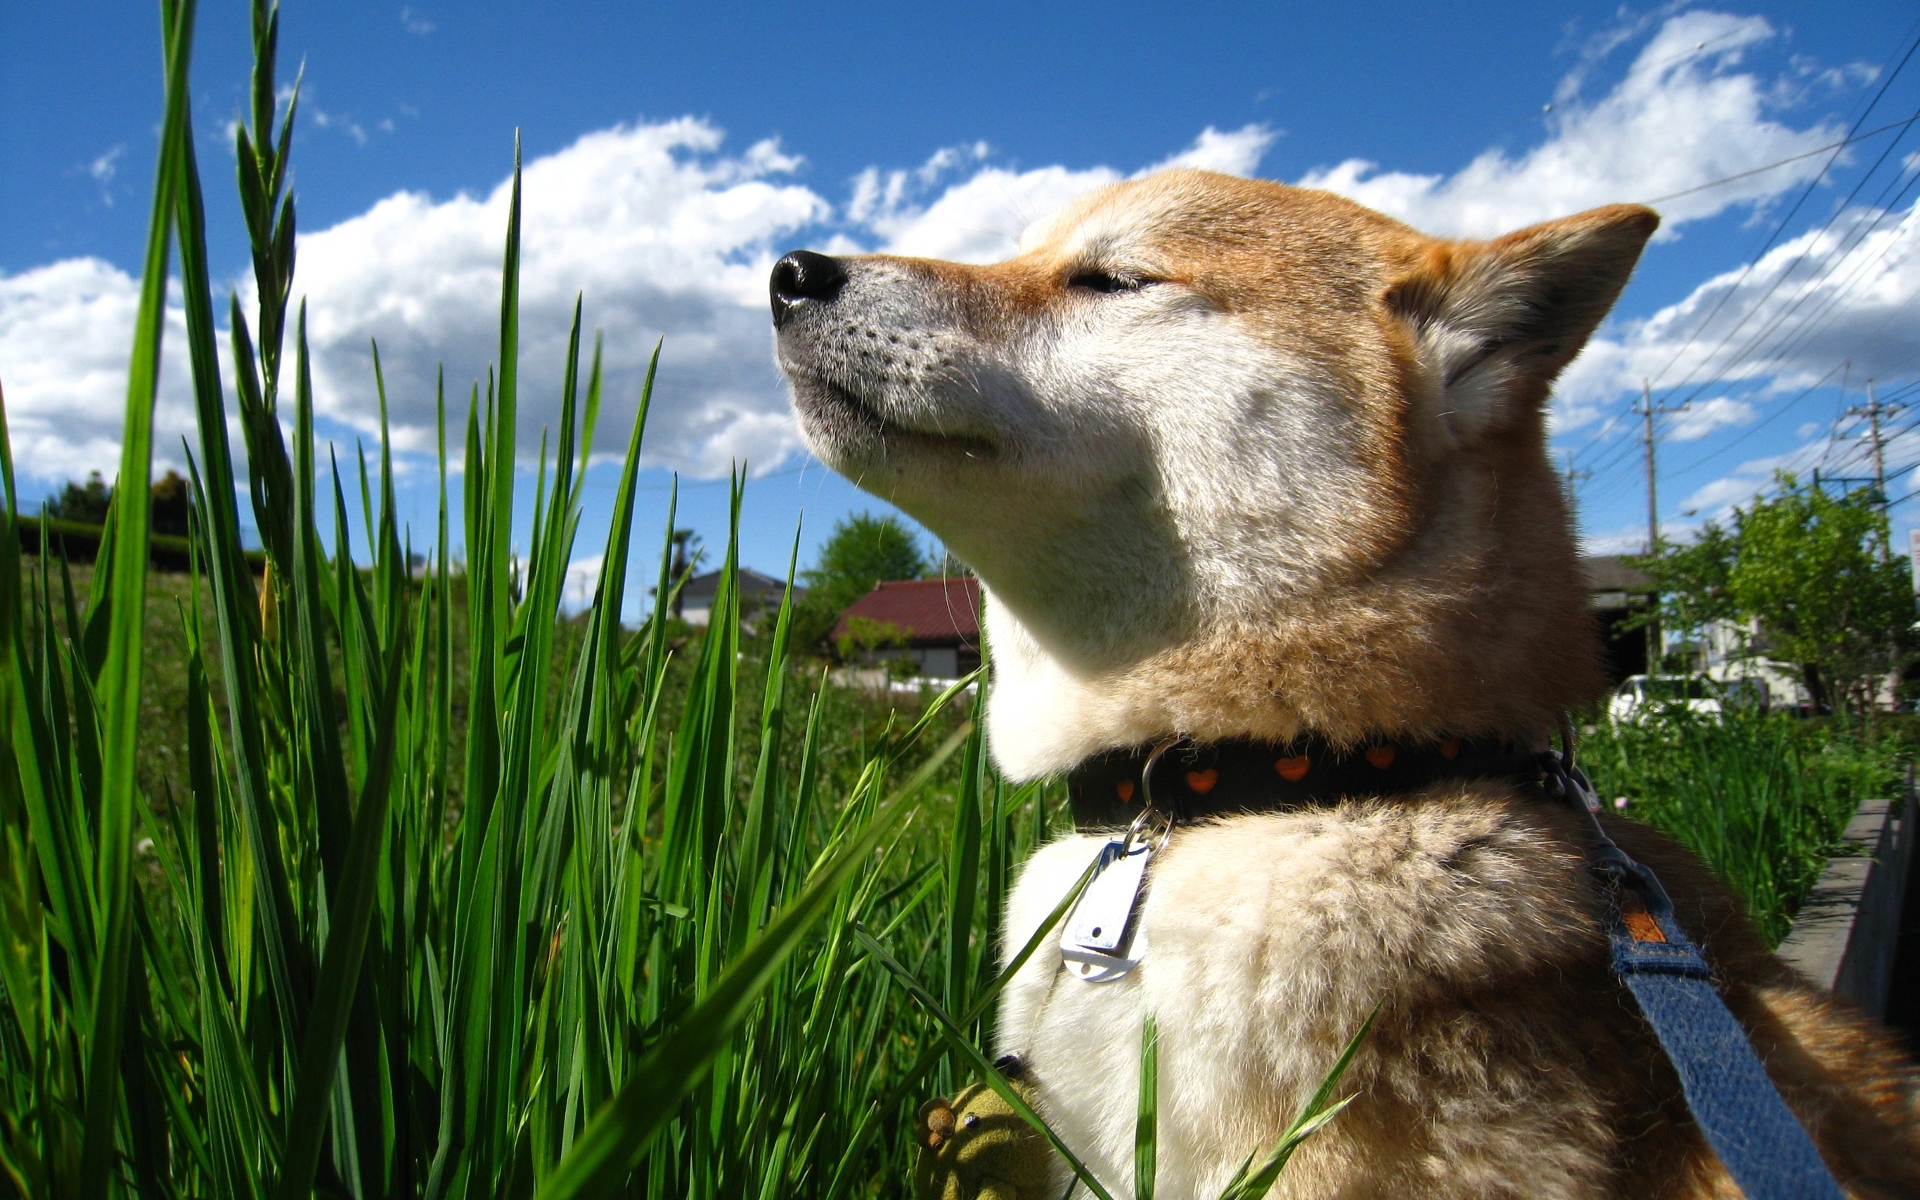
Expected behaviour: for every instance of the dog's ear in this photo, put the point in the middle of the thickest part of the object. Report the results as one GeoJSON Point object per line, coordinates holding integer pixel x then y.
{"type": "Point", "coordinates": [1496, 321]}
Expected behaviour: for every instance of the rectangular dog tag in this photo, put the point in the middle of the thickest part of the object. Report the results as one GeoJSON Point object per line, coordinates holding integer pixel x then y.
{"type": "Point", "coordinates": [1100, 922]}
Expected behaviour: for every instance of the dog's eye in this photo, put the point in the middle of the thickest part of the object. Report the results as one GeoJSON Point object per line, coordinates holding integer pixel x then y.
{"type": "Point", "coordinates": [1101, 281]}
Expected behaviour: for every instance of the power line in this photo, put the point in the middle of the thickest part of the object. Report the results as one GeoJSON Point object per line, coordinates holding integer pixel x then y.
{"type": "Point", "coordinates": [1809, 323]}
{"type": "Point", "coordinates": [1769, 419]}
{"type": "Point", "coordinates": [1807, 326]}
{"type": "Point", "coordinates": [1824, 310]}
{"type": "Point", "coordinates": [1845, 141]}
{"type": "Point", "coordinates": [1781, 225]}
{"type": "Point", "coordinates": [1835, 259]}
{"type": "Point", "coordinates": [1837, 256]}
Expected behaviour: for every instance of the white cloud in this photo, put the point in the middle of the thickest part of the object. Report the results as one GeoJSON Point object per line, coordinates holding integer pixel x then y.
{"type": "Point", "coordinates": [1232, 152]}
{"type": "Point", "coordinates": [347, 125]}
{"type": "Point", "coordinates": [980, 218]}
{"type": "Point", "coordinates": [1847, 291]}
{"type": "Point", "coordinates": [1703, 417]}
{"type": "Point", "coordinates": [102, 170]}
{"type": "Point", "coordinates": [582, 578]}
{"type": "Point", "coordinates": [668, 233]}
{"type": "Point", "coordinates": [665, 235]}
{"type": "Point", "coordinates": [1712, 501]}
{"type": "Point", "coordinates": [1626, 539]}
{"type": "Point", "coordinates": [415, 22]}
{"type": "Point", "coordinates": [65, 333]}
{"type": "Point", "coordinates": [1682, 117]}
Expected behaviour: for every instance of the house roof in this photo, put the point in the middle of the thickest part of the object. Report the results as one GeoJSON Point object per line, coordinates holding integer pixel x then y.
{"type": "Point", "coordinates": [1612, 573]}
{"type": "Point", "coordinates": [754, 588]}
{"type": "Point", "coordinates": [933, 612]}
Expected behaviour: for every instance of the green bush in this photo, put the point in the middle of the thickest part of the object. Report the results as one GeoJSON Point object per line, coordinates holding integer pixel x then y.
{"type": "Point", "coordinates": [1762, 798]}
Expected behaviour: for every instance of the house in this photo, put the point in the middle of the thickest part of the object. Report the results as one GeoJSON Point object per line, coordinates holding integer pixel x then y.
{"type": "Point", "coordinates": [1617, 594]}
{"type": "Point", "coordinates": [933, 624]}
{"type": "Point", "coordinates": [758, 593]}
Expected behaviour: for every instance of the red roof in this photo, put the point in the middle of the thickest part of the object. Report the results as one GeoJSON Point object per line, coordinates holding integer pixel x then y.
{"type": "Point", "coordinates": [934, 612]}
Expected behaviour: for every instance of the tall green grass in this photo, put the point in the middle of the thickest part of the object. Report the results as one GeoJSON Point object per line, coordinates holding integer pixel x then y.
{"type": "Point", "coordinates": [552, 914]}
{"type": "Point", "coordinates": [1762, 798]}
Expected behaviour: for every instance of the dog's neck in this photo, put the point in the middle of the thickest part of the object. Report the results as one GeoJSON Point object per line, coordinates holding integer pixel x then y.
{"type": "Point", "coordinates": [1477, 626]}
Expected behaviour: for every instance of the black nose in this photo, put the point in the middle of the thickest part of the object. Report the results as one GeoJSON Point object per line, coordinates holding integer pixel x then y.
{"type": "Point", "coordinates": [803, 275]}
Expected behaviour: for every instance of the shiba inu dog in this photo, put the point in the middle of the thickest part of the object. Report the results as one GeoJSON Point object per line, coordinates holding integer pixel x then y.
{"type": "Point", "coordinates": [1240, 462]}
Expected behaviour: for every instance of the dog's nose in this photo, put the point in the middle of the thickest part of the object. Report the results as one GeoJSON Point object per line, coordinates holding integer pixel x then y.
{"type": "Point", "coordinates": [800, 276]}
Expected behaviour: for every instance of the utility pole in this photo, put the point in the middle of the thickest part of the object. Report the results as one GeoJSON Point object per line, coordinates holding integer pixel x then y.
{"type": "Point", "coordinates": [1648, 410]}
{"type": "Point", "coordinates": [1873, 410]}
{"type": "Point", "coordinates": [1573, 477]}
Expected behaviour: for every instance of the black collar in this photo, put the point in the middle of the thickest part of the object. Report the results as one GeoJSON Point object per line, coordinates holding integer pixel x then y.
{"type": "Point", "coordinates": [1195, 781]}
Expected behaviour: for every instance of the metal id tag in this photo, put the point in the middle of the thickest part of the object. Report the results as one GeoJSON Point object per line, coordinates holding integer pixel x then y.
{"type": "Point", "coordinates": [1091, 966]}
{"type": "Point", "coordinates": [1098, 942]}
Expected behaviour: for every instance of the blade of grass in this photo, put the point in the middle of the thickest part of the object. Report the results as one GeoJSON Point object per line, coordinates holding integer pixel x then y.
{"type": "Point", "coordinates": [120, 692]}
{"type": "Point", "coordinates": [340, 962]}
{"type": "Point", "coordinates": [1146, 1125]}
{"type": "Point", "coordinates": [1253, 1183]}
{"type": "Point", "coordinates": [983, 1068]}
{"type": "Point", "coordinates": [614, 1141]}
{"type": "Point", "coordinates": [932, 1054]}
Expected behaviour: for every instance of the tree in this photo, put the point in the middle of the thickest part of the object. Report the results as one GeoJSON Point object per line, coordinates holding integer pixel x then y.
{"type": "Point", "coordinates": [171, 504]}
{"type": "Point", "coordinates": [688, 554]}
{"type": "Point", "coordinates": [1817, 572]}
{"type": "Point", "coordinates": [86, 502]}
{"type": "Point", "coordinates": [1692, 581]}
{"type": "Point", "coordinates": [862, 550]}
{"type": "Point", "coordinates": [1817, 575]}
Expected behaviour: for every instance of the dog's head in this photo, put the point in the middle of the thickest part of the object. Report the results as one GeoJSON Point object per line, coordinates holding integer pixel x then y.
{"type": "Point", "coordinates": [1214, 444]}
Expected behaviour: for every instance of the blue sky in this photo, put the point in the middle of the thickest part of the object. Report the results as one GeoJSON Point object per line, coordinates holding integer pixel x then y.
{"type": "Point", "coordinates": [673, 151]}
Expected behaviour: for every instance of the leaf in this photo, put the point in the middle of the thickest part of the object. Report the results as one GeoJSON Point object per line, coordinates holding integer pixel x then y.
{"type": "Point", "coordinates": [613, 1142]}
{"type": "Point", "coordinates": [983, 1068]}
{"type": "Point", "coordinates": [1146, 1127]}
{"type": "Point", "coordinates": [120, 680]}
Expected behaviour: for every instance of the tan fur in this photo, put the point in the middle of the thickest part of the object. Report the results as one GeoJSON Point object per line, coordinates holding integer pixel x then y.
{"type": "Point", "coordinates": [1296, 482]}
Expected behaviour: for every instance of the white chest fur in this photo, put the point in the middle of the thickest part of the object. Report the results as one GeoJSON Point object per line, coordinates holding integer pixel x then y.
{"type": "Point", "coordinates": [1271, 937]}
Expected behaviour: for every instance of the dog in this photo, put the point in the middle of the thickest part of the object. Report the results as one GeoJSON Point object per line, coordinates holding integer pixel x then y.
{"type": "Point", "coordinates": [1237, 460]}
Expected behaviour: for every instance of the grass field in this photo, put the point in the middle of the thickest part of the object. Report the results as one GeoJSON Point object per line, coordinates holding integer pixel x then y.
{"type": "Point", "coordinates": [331, 879]}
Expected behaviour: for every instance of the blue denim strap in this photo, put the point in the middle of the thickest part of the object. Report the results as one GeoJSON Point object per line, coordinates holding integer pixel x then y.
{"type": "Point", "coordinates": [1758, 1139]}
{"type": "Point", "coordinates": [1749, 1126]}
